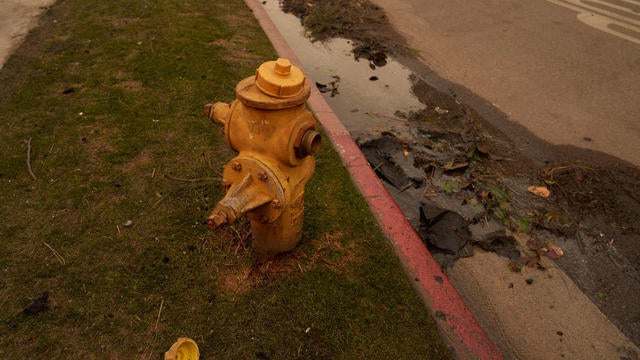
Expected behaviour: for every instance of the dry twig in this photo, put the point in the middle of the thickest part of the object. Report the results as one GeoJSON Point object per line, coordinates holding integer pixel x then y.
{"type": "Point", "coordinates": [55, 253]}
{"type": "Point", "coordinates": [159, 313]}
{"type": "Point", "coordinates": [189, 180]}
{"type": "Point", "coordinates": [29, 160]}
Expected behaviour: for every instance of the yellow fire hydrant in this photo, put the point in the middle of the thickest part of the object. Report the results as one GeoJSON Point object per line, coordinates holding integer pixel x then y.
{"type": "Point", "coordinates": [276, 138]}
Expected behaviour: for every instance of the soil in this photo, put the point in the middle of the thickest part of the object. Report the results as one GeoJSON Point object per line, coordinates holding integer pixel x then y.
{"type": "Point", "coordinates": [360, 21]}
{"type": "Point", "coordinates": [589, 224]}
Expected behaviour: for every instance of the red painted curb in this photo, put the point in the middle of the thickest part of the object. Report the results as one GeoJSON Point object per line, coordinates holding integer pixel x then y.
{"type": "Point", "coordinates": [434, 286]}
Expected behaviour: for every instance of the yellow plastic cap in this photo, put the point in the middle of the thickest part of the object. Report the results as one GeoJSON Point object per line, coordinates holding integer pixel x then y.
{"type": "Point", "coordinates": [183, 349]}
{"type": "Point", "coordinates": [280, 79]}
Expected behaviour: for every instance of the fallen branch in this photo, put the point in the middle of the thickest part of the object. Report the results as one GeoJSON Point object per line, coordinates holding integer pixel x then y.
{"type": "Point", "coordinates": [190, 180]}
{"type": "Point", "coordinates": [29, 160]}
{"type": "Point", "coordinates": [55, 253]}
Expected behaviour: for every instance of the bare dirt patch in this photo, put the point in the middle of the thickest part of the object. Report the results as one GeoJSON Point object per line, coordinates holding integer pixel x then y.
{"type": "Point", "coordinates": [137, 162]}
{"type": "Point", "coordinates": [243, 271]}
{"type": "Point", "coordinates": [129, 85]}
{"type": "Point", "coordinates": [119, 23]}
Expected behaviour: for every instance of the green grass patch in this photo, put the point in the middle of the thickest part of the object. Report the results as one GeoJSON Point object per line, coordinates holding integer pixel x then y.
{"type": "Point", "coordinates": [110, 94]}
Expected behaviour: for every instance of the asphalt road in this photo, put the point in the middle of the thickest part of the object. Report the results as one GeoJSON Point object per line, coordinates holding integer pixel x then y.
{"type": "Point", "coordinates": [568, 71]}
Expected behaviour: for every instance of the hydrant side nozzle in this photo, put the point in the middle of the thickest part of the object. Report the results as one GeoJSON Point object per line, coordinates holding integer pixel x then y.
{"type": "Point", "coordinates": [217, 112]}
{"type": "Point", "coordinates": [217, 219]}
{"type": "Point", "coordinates": [207, 110]}
{"type": "Point", "coordinates": [243, 197]}
{"type": "Point", "coordinates": [309, 143]}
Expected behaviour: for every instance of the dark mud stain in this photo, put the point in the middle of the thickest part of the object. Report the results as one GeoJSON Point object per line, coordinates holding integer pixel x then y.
{"type": "Point", "coordinates": [331, 87]}
{"type": "Point", "coordinates": [505, 246]}
{"type": "Point", "coordinates": [445, 233]}
{"type": "Point", "coordinates": [448, 237]}
{"type": "Point", "coordinates": [389, 157]}
{"type": "Point", "coordinates": [360, 21]}
{"type": "Point", "coordinates": [39, 304]}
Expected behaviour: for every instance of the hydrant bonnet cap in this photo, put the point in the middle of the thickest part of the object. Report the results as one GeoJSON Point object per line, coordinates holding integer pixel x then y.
{"type": "Point", "coordinates": [280, 79]}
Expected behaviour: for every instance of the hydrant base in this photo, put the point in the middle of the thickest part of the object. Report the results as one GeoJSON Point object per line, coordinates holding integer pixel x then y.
{"type": "Point", "coordinates": [282, 235]}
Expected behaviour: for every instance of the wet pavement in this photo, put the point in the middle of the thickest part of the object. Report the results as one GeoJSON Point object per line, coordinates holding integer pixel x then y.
{"type": "Point", "coordinates": [366, 99]}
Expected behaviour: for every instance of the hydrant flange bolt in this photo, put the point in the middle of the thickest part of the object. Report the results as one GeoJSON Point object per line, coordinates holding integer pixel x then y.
{"type": "Point", "coordinates": [236, 166]}
{"type": "Point", "coordinates": [262, 176]}
{"type": "Point", "coordinates": [276, 204]}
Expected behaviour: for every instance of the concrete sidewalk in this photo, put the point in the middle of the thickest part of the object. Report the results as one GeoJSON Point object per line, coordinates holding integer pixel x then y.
{"type": "Point", "coordinates": [16, 19]}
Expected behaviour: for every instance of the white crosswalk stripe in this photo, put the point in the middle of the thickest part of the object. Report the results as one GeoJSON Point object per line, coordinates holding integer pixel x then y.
{"type": "Point", "coordinates": [616, 17]}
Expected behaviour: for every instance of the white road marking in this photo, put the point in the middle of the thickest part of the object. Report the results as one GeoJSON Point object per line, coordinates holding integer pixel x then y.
{"type": "Point", "coordinates": [615, 19]}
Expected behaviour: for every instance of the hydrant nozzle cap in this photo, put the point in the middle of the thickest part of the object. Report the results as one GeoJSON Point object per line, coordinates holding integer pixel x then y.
{"type": "Point", "coordinates": [280, 79]}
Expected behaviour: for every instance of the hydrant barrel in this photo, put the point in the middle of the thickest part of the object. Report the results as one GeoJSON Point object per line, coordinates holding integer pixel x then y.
{"type": "Point", "coordinates": [276, 138]}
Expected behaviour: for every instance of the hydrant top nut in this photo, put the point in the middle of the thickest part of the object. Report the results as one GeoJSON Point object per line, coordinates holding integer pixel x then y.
{"type": "Point", "coordinates": [283, 67]}
{"type": "Point", "coordinates": [280, 79]}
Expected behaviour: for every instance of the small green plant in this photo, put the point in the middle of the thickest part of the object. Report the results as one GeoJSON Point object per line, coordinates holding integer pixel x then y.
{"type": "Point", "coordinates": [524, 225]}
{"type": "Point", "coordinates": [496, 200]}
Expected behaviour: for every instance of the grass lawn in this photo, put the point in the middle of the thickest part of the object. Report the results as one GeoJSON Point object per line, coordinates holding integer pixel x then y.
{"type": "Point", "coordinates": [110, 94]}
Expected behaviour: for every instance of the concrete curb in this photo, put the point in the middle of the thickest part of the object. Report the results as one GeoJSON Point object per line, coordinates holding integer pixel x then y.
{"type": "Point", "coordinates": [456, 321]}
